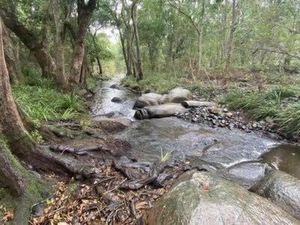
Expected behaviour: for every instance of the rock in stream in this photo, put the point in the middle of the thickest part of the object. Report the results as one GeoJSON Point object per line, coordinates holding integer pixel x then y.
{"type": "Point", "coordinates": [282, 189]}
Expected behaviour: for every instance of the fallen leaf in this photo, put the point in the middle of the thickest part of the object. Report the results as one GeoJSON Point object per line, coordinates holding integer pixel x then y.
{"type": "Point", "coordinates": [8, 216]}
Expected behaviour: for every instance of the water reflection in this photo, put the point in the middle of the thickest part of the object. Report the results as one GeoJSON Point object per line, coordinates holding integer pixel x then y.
{"type": "Point", "coordinates": [286, 158]}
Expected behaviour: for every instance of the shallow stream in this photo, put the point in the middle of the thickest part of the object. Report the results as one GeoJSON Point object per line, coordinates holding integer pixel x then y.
{"type": "Point", "coordinates": [161, 139]}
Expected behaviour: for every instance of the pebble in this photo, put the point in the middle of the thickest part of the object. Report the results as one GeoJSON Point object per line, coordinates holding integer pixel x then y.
{"type": "Point", "coordinates": [222, 117]}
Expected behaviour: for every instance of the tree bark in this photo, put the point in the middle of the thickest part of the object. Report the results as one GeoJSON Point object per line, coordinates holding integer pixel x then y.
{"type": "Point", "coordinates": [125, 53]}
{"type": "Point", "coordinates": [9, 175]}
{"type": "Point", "coordinates": [58, 17]}
{"type": "Point", "coordinates": [139, 65]}
{"type": "Point", "coordinates": [231, 35]}
{"type": "Point", "coordinates": [85, 12]}
{"type": "Point", "coordinates": [97, 56]}
{"type": "Point", "coordinates": [11, 58]}
{"type": "Point", "coordinates": [31, 41]}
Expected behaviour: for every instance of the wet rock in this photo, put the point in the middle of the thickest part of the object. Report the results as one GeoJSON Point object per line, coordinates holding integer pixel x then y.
{"type": "Point", "coordinates": [138, 173]}
{"type": "Point", "coordinates": [148, 99]}
{"type": "Point", "coordinates": [283, 190]}
{"type": "Point", "coordinates": [159, 111]}
{"type": "Point", "coordinates": [110, 125]}
{"type": "Point", "coordinates": [116, 100]}
{"type": "Point", "coordinates": [115, 86]}
{"type": "Point", "coordinates": [218, 116]}
{"type": "Point", "coordinates": [246, 174]}
{"type": "Point", "coordinates": [101, 148]}
{"type": "Point", "coordinates": [178, 95]}
{"type": "Point", "coordinates": [208, 199]}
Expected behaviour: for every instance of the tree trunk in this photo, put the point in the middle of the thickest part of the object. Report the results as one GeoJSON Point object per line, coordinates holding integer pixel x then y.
{"type": "Point", "coordinates": [99, 65]}
{"type": "Point", "coordinates": [32, 42]}
{"type": "Point", "coordinates": [17, 136]}
{"type": "Point", "coordinates": [58, 17]}
{"type": "Point", "coordinates": [231, 35]}
{"type": "Point", "coordinates": [84, 69]}
{"type": "Point", "coordinates": [12, 173]}
{"type": "Point", "coordinates": [85, 12]}
{"type": "Point", "coordinates": [139, 66]}
{"type": "Point", "coordinates": [125, 53]}
{"type": "Point", "coordinates": [97, 56]}
{"type": "Point", "coordinates": [9, 174]}
{"type": "Point", "coordinates": [11, 58]}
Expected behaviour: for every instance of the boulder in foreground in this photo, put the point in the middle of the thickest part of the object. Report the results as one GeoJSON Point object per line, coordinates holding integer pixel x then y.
{"type": "Point", "coordinates": [283, 190]}
{"type": "Point", "coordinates": [208, 199]}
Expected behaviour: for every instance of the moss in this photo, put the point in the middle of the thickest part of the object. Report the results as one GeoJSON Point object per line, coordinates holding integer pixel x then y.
{"type": "Point", "coordinates": [33, 193]}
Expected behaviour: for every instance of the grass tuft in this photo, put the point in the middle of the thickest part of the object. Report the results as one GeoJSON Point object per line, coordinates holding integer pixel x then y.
{"type": "Point", "coordinates": [274, 103]}
{"type": "Point", "coordinates": [45, 103]}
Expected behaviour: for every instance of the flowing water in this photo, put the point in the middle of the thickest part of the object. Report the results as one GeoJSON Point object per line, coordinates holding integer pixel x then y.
{"type": "Point", "coordinates": [158, 139]}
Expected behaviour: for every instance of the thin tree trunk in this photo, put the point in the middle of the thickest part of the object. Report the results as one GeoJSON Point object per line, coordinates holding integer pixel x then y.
{"type": "Point", "coordinates": [99, 65]}
{"type": "Point", "coordinates": [59, 43]}
{"type": "Point", "coordinates": [85, 12]}
{"type": "Point", "coordinates": [130, 54]}
{"type": "Point", "coordinates": [224, 33]}
{"type": "Point", "coordinates": [97, 57]}
{"type": "Point", "coordinates": [125, 53]}
{"type": "Point", "coordinates": [231, 35]}
{"type": "Point", "coordinates": [139, 66]}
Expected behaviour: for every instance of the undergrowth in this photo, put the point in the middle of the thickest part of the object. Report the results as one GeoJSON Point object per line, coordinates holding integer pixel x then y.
{"type": "Point", "coordinates": [41, 101]}
{"type": "Point", "coordinates": [157, 82]}
{"type": "Point", "coordinates": [278, 103]}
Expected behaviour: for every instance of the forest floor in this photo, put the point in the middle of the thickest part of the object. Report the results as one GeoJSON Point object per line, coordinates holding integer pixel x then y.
{"type": "Point", "coordinates": [65, 127]}
{"type": "Point", "coordinates": [110, 196]}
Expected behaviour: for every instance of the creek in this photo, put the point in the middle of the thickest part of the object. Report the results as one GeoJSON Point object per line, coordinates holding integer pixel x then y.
{"type": "Point", "coordinates": [172, 138]}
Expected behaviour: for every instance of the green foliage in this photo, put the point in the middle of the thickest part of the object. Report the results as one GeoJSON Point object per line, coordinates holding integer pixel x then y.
{"type": "Point", "coordinates": [165, 156]}
{"type": "Point", "coordinates": [273, 103]}
{"type": "Point", "coordinates": [33, 78]}
{"type": "Point", "coordinates": [289, 119]}
{"type": "Point", "coordinates": [161, 83]}
{"type": "Point", "coordinates": [44, 103]}
{"type": "Point", "coordinates": [36, 136]}
{"type": "Point", "coordinates": [100, 46]}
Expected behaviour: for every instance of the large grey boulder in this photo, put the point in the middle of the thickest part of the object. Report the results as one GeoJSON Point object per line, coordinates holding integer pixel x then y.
{"type": "Point", "coordinates": [159, 111]}
{"type": "Point", "coordinates": [283, 190]}
{"type": "Point", "coordinates": [148, 100]}
{"type": "Point", "coordinates": [208, 199]}
{"type": "Point", "coordinates": [178, 95]}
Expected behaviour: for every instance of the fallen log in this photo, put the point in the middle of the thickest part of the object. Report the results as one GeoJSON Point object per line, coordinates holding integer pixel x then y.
{"type": "Point", "coordinates": [191, 104]}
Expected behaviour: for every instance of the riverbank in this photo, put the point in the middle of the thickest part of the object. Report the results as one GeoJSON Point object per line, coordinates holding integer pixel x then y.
{"type": "Point", "coordinates": [136, 163]}
{"type": "Point", "coordinates": [272, 105]}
